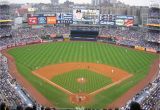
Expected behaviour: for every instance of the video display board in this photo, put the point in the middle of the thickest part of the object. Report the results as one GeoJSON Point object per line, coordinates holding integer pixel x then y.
{"type": "Point", "coordinates": [107, 19]}
{"type": "Point", "coordinates": [120, 22]}
{"type": "Point", "coordinates": [51, 20]}
{"type": "Point", "coordinates": [129, 22]}
{"type": "Point", "coordinates": [32, 21]}
{"type": "Point", "coordinates": [42, 20]}
{"type": "Point", "coordinates": [124, 20]}
{"type": "Point", "coordinates": [85, 16]}
{"type": "Point", "coordinates": [63, 18]}
{"type": "Point", "coordinates": [39, 20]}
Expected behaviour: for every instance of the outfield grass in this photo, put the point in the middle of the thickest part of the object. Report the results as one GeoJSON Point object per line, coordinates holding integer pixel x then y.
{"type": "Point", "coordinates": [69, 81]}
{"type": "Point", "coordinates": [36, 56]}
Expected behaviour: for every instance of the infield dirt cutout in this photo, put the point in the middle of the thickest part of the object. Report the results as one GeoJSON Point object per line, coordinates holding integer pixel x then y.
{"type": "Point", "coordinates": [48, 72]}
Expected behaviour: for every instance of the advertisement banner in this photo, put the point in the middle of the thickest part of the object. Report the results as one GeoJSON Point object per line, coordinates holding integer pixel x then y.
{"type": "Point", "coordinates": [3, 21]}
{"type": "Point", "coordinates": [139, 48]}
{"type": "Point", "coordinates": [120, 22]}
{"type": "Point", "coordinates": [51, 20]}
{"type": "Point", "coordinates": [124, 20]}
{"type": "Point", "coordinates": [124, 17]}
{"type": "Point", "coordinates": [107, 22]}
{"type": "Point", "coordinates": [151, 50]}
{"type": "Point", "coordinates": [42, 20]}
{"type": "Point", "coordinates": [31, 9]}
{"type": "Point", "coordinates": [32, 20]}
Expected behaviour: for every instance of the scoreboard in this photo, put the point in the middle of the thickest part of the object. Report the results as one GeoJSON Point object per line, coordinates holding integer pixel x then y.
{"type": "Point", "coordinates": [107, 19]}
{"type": "Point", "coordinates": [86, 16]}
{"type": "Point", "coordinates": [63, 18]}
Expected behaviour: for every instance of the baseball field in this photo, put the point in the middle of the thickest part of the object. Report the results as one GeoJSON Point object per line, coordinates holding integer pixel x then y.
{"type": "Point", "coordinates": [89, 74]}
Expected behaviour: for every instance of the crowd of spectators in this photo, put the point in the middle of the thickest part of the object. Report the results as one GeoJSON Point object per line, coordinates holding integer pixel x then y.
{"type": "Point", "coordinates": [24, 36]}
{"type": "Point", "coordinates": [154, 13]}
{"type": "Point", "coordinates": [126, 37]}
{"type": "Point", "coordinates": [10, 91]}
{"type": "Point", "coordinates": [153, 21]}
{"type": "Point", "coordinates": [123, 36]}
{"type": "Point", "coordinates": [149, 97]}
{"type": "Point", "coordinates": [5, 31]}
{"type": "Point", "coordinates": [153, 36]}
{"type": "Point", "coordinates": [128, 34]}
{"type": "Point", "coordinates": [6, 42]}
{"type": "Point", "coordinates": [28, 32]}
{"type": "Point", "coordinates": [133, 38]}
{"type": "Point", "coordinates": [4, 17]}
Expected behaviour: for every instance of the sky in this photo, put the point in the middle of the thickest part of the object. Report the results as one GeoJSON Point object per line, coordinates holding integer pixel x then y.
{"type": "Point", "coordinates": [130, 2]}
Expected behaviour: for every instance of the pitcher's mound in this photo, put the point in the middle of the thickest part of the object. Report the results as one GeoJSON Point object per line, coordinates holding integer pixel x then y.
{"type": "Point", "coordinates": [81, 80]}
{"type": "Point", "coordinates": [80, 98]}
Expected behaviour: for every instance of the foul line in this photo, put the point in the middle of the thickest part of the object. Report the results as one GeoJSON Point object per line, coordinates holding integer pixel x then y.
{"type": "Point", "coordinates": [92, 93]}
{"type": "Point", "coordinates": [110, 85]}
{"type": "Point", "coordinates": [53, 84]}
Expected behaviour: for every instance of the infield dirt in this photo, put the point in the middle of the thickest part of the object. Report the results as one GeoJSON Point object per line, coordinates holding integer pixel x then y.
{"type": "Point", "coordinates": [48, 72]}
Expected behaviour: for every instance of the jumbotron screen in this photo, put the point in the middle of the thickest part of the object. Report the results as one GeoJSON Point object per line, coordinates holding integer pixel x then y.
{"type": "Point", "coordinates": [85, 16]}
{"type": "Point", "coordinates": [124, 20]}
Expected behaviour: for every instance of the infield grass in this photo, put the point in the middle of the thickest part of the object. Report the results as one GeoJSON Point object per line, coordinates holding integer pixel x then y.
{"type": "Point", "coordinates": [69, 81]}
{"type": "Point", "coordinates": [32, 57]}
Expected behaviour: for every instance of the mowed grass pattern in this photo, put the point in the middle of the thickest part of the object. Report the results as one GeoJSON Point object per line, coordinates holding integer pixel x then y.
{"type": "Point", "coordinates": [36, 56]}
{"type": "Point", "coordinates": [69, 81]}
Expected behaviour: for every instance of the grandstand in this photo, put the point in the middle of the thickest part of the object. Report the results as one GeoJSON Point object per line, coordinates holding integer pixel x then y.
{"type": "Point", "coordinates": [45, 28]}
{"type": "Point", "coordinates": [153, 25]}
